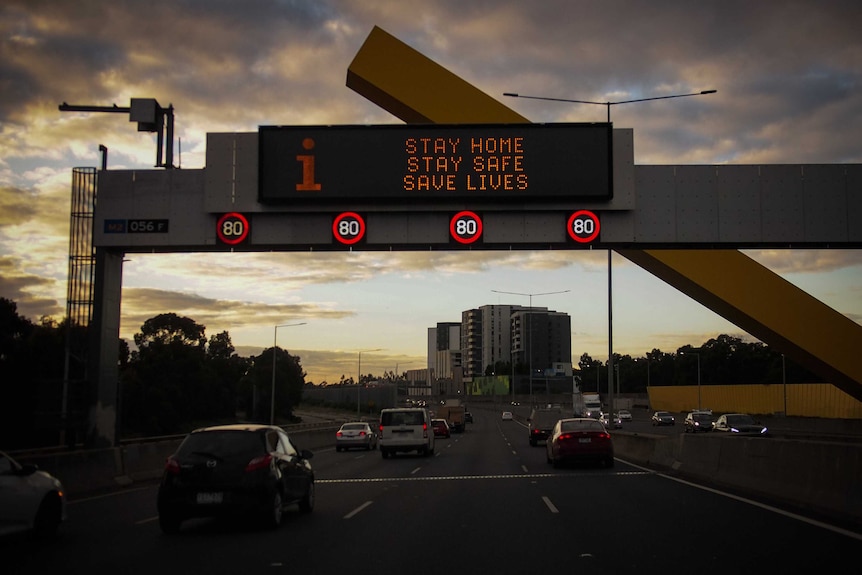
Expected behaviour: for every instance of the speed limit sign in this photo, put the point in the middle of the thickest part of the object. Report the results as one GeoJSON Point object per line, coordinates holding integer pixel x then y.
{"type": "Point", "coordinates": [348, 228]}
{"type": "Point", "coordinates": [465, 227]}
{"type": "Point", "coordinates": [232, 228]}
{"type": "Point", "coordinates": [583, 226]}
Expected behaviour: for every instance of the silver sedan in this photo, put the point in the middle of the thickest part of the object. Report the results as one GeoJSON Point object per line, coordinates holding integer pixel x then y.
{"type": "Point", "coordinates": [355, 434]}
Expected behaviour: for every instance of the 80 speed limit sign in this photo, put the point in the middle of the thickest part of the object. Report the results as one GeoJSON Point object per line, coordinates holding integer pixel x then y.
{"type": "Point", "coordinates": [232, 228]}
{"type": "Point", "coordinates": [583, 226]}
{"type": "Point", "coordinates": [348, 228]}
{"type": "Point", "coordinates": [465, 227]}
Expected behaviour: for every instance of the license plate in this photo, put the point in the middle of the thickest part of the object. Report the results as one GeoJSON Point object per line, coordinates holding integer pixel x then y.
{"type": "Point", "coordinates": [210, 498]}
{"type": "Point", "coordinates": [584, 440]}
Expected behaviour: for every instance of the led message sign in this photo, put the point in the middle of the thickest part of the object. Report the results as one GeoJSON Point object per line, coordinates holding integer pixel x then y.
{"type": "Point", "coordinates": [424, 163]}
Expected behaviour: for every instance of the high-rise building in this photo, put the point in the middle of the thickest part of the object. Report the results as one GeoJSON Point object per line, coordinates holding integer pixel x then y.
{"type": "Point", "coordinates": [541, 339]}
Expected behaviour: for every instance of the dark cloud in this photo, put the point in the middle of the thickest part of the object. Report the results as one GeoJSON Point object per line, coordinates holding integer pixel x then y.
{"type": "Point", "coordinates": [217, 315]}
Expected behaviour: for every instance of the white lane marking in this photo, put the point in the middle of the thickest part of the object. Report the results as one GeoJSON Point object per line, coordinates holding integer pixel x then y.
{"type": "Point", "coordinates": [471, 477]}
{"type": "Point", "coordinates": [550, 505]}
{"type": "Point", "coordinates": [415, 471]}
{"type": "Point", "coordinates": [112, 494]}
{"type": "Point", "coordinates": [357, 510]}
{"type": "Point", "coordinates": [524, 467]}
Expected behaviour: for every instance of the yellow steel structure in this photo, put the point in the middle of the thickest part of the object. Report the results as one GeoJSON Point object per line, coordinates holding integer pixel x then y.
{"type": "Point", "coordinates": [417, 90]}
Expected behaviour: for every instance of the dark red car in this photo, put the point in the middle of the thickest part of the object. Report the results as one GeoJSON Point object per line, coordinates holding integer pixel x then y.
{"type": "Point", "coordinates": [580, 438]}
{"type": "Point", "coordinates": [441, 428]}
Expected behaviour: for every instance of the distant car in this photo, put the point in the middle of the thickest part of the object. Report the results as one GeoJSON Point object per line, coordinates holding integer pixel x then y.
{"type": "Point", "coordinates": [355, 434]}
{"type": "Point", "coordinates": [229, 470]}
{"type": "Point", "coordinates": [698, 421]}
{"type": "Point", "coordinates": [617, 422]}
{"type": "Point", "coordinates": [580, 438]}
{"type": "Point", "coordinates": [468, 417]}
{"type": "Point", "coordinates": [507, 416]}
{"type": "Point", "coordinates": [625, 415]}
{"type": "Point", "coordinates": [739, 423]}
{"type": "Point", "coordinates": [663, 418]}
{"type": "Point", "coordinates": [541, 423]}
{"type": "Point", "coordinates": [441, 428]}
{"type": "Point", "coordinates": [30, 500]}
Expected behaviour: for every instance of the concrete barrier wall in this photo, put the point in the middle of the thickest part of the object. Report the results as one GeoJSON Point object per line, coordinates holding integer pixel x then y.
{"type": "Point", "coordinates": [822, 477]}
{"type": "Point", "coordinates": [92, 471]}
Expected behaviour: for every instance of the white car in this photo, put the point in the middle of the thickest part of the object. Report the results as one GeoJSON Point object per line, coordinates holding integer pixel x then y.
{"type": "Point", "coordinates": [405, 429]}
{"type": "Point", "coordinates": [30, 500]}
{"type": "Point", "coordinates": [507, 416]}
{"type": "Point", "coordinates": [625, 415]}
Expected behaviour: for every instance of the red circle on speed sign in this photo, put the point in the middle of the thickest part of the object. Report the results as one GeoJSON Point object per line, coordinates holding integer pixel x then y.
{"type": "Point", "coordinates": [465, 227]}
{"type": "Point", "coordinates": [583, 226]}
{"type": "Point", "coordinates": [232, 228]}
{"type": "Point", "coordinates": [348, 228]}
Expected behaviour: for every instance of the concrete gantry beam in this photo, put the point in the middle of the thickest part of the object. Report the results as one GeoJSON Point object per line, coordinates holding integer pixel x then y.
{"type": "Point", "coordinates": [417, 90]}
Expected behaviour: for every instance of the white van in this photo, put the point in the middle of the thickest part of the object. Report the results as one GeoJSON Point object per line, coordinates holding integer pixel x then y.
{"type": "Point", "coordinates": [405, 429]}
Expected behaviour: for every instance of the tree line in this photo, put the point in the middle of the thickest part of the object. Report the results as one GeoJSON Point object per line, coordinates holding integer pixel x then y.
{"type": "Point", "coordinates": [175, 380]}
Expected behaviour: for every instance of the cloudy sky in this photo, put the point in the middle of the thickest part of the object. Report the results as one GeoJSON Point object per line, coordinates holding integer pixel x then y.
{"type": "Point", "coordinates": [788, 76]}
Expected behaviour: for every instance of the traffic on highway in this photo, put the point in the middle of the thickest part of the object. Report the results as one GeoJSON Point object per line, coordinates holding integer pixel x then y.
{"type": "Point", "coordinates": [485, 499]}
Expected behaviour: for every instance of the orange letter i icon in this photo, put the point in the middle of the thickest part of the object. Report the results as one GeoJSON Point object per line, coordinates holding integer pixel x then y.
{"type": "Point", "coordinates": [308, 184]}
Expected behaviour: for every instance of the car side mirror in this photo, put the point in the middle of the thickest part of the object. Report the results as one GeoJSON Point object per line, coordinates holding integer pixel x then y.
{"type": "Point", "coordinates": [28, 469]}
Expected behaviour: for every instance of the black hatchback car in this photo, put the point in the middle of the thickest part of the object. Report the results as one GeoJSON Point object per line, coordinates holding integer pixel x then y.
{"type": "Point", "coordinates": [229, 470]}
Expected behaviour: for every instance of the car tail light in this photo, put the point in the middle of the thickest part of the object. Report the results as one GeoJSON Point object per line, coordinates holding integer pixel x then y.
{"type": "Point", "coordinates": [565, 437]}
{"type": "Point", "coordinates": [338, 434]}
{"type": "Point", "coordinates": [361, 434]}
{"type": "Point", "coordinates": [262, 462]}
{"type": "Point", "coordinates": [172, 466]}
{"type": "Point", "coordinates": [425, 430]}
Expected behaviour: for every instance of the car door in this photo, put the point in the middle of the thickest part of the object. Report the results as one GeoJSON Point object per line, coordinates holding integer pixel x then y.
{"type": "Point", "coordinates": [18, 498]}
{"type": "Point", "coordinates": [295, 473]}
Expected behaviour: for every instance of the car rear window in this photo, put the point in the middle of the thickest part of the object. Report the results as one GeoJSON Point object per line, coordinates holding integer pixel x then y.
{"type": "Point", "coordinates": [582, 425]}
{"type": "Point", "coordinates": [402, 418]}
{"type": "Point", "coordinates": [353, 426]}
{"type": "Point", "coordinates": [225, 444]}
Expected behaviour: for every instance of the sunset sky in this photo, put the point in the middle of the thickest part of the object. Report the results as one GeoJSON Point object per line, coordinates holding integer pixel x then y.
{"type": "Point", "coordinates": [789, 81]}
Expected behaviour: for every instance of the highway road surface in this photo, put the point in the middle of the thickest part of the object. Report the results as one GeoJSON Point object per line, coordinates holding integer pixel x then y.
{"type": "Point", "coordinates": [485, 502]}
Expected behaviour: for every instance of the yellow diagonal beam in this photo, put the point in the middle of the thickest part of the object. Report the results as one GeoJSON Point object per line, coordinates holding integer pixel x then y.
{"type": "Point", "coordinates": [765, 305]}
{"type": "Point", "coordinates": [416, 89]}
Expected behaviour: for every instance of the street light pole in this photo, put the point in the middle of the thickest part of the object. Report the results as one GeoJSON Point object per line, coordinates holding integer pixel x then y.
{"type": "Point", "coordinates": [274, 356]}
{"type": "Point", "coordinates": [359, 379]}
{"type": "Point", "coordinates": [610, 305]}
{"type": "Point", "coordinates": [609, 104]}
{"type": "Point", "coordinates": [696, 354]}
{"type": "Point", "coordinates": [530, 330]}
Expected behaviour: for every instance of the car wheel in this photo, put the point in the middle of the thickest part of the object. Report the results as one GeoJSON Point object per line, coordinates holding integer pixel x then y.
{"type": "Point", "coordinates": [609, 462]}
{"type": "Point", "coordinates": [337, 449]}
{"type": "Point", "coordinates": [555, 463]}
{"type": "Point", "coordinates": [169, 522]}
{"type": "Point", "coordinates": [273, 512]}
{"type": "Point", "coordinates": [306, 504]}
{"type": "Point", "coordinates": [48, 517]}
{"type": "Point", "coordinates": [532, 443]}
{"type": "Point", "coordinates": [384, 453]}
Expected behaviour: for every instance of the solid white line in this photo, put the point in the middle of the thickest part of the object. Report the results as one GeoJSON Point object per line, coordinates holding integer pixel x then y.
{"type": "Point", "coordinates": [112, 494]}
{"type": "Point", "coordinates": [791, 515]}
{"type": "Point", "coordinates": [524, 467]}
{"type": "Point", "coordinates": [415, 471]}
{"type": "Point", "coordinates": [147, 520]}
{"type": "Point", "coordinates": [550, 505]}
{"type": "Point", "coordinates": [357, 510]}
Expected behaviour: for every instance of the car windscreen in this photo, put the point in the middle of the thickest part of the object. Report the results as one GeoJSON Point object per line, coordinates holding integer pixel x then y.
{"type": "Point", "coordinates": [740, 420]}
